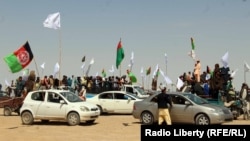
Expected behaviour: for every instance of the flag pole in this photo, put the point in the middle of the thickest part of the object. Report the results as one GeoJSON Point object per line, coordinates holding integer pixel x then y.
{"type": "Point", "coordinates": [244, 76]}
{"type": "Point", "coordinates": [60, 53]}
{"type": "Point", "coordinates": [36, 67]}
{"type": "Point", "coordinates": [120, 70]}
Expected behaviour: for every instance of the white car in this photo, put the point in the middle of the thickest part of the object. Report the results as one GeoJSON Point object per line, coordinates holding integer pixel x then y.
{"type": "Point", "coordinates": [116, 102]}
{"type": "Point", "coordinates": [60, 105]}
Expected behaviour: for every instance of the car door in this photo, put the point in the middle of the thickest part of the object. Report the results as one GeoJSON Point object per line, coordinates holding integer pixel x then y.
{"type": "Point", "coordinates": [52, 109]}
{"type": "Point", "coordinates": [106, 101]}
{"type": "Point", "coordinates": [123, 103]}
{"type": "Point", "coordinates": [180, 112]}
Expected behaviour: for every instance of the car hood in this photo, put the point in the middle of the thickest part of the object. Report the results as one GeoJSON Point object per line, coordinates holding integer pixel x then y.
{"type": "Point", "coordinates": [87, 104]}
{"type": "Point", "coordinates": [212, 106]}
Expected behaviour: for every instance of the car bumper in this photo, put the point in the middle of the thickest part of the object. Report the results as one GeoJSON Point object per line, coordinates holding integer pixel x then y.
{"type": "Point", "coordinates": [219, 118]}
{"type": "Point", "coordinates": [93, 115]}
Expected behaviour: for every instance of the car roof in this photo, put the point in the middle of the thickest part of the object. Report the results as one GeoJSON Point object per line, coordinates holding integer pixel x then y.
{"type": "Point", "coordinates": [50, 90]}
{"type": "Point", "coordinates": [121, 92]}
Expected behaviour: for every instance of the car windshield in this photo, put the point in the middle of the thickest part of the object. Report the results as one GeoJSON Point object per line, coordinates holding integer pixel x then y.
{"type": "Point", "coordinates": [140, 90]}
{"type": "Point", "coordinates": [196, 99]}
{"type": "Point", "coordinates": [71, 97]}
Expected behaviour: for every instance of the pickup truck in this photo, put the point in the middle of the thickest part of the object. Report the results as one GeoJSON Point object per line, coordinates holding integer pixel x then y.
{"type": "Point", "coordinates": [135, 89]}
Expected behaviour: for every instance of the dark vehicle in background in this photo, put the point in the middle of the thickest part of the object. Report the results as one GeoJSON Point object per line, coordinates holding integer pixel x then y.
{"type": "Point", "coordinates": [10, 104]}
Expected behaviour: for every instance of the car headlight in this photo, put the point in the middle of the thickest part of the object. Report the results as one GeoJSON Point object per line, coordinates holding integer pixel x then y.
{"type": "Point", "coordinates": [84, 108]}
{"type": "Point", "coordinates": [216, 110]}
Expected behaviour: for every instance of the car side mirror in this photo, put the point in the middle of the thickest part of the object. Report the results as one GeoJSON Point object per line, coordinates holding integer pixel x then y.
{"type": "Point", "coordinates": [62, 102]}
{"type": "Point", "coordinates": [187, 103]}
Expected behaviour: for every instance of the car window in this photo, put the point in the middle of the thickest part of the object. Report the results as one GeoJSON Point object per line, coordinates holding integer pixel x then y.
{"type": "Point", "coordinates": [154, 99]}
{"type": "Point", "coordinates": [38, 96]}
{"type": "Point", "coordinates": [120, 96]}
{"type": "Point", "coordinates": [53, 97]}
{"type": "Point", "coordinates": [141, 91]}
{"type": "Point", "coordinates": [71, 97]}
{"type": "Point", "coordinates": [129, 90]}
{"type": "Point", "coordinates": [129, 97]}
{"type": "Point", "coordinates": [178, 99]}
{"type": "Point", "coordinates": [106, 96]}
{"type": "Point", "coordinates": [196, 99]}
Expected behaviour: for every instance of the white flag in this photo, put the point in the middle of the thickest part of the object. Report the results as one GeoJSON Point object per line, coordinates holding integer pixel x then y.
{"type": "Point", "coordinates": [142, 72]}
{"type": "Point", "coordinates": [52, 21]}
{"type": "Point", "coordinates": [43, 65]}
{"type": "Point", "coordinates": [112, 69]}
{"type": "Point", "coordinates": [56, 69]}
{"type": "Point", "coordinates": [155, 71]}
{"type": "Point", "coordinates": [166, 78]}
{"type": "Point", "coordinates": [132, 59]}
{"type": "Point", "coordinates": [246, 67]}
{"type": "Point", "coordinates": [224, 60]}
{"type": "Point", "coordinates": [7, 83]}
{"type": "Point", "coordinates": [192, 54]}
{"type": "Point", "coordinates": [92, 61]}
{"type": "Point", "coordinates": [83, 65]}
{"type": "Point", "coordinates": [179, 84]}
{"type": "Point", "coordinates": [166, 58]}
{"type": "Point", "coordinates": [233, 73]}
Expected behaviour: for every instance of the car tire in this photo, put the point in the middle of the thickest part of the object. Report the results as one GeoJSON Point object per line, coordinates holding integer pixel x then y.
{"type": "Point", "coordinates": [100, 108]}
{"type": "Point", "coordinates": [147, 118]}
{"type": "Point", "coordinates": [202, 119]}
{"type": "Point", "coordinates": [73, 119]}
{"type": "Point", "coordinates": [7, 111]}
{"type": "Point", "coordinates": [27, 118]}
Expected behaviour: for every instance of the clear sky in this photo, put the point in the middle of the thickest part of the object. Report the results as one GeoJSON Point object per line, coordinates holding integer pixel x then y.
{"type": "Point", "coordinates": [149, 28]}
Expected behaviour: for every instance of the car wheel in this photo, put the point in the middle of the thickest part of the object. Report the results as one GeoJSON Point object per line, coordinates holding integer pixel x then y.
{"type": "Point", "coordinates": [27, 118]}
{"type": "Point", "coordinates": [73, 119]}
{"type": "Point", "coordinates": [7, 111]}
{"type": "Point", "coordinates": [100, 108]}
{"type": "Point", "coordinates": [202, 119]}
{"type": "Point", "coordinates": [147, 118]}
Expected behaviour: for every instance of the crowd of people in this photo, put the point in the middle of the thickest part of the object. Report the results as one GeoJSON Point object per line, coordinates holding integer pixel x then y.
{"type": "Point", "coordinates": [91, 84]}
{"type": "Point", "coordinates": [208, 83]}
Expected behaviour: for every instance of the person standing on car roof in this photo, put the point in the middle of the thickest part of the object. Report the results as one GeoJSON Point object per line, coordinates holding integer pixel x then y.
{"type": "Point", "coordinates": [163, 99]}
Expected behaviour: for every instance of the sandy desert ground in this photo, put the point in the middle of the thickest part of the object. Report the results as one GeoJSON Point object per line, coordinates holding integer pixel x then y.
{"type": "Point", "coordinates": [106, 128]}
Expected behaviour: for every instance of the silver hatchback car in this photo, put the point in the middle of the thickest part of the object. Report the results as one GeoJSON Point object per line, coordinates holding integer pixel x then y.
{"type": "Point", "coordinates": [187, 109]}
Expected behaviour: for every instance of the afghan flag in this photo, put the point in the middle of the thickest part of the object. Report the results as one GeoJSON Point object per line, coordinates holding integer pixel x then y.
{"type": "Point", "coordinates": [119, 54]}
{"type": "Point", "coordinates": [104, 73]}
{"type": "Point", "coordinates": [20, 58]}
{"type": "Point", "coordinates": [148, 71]}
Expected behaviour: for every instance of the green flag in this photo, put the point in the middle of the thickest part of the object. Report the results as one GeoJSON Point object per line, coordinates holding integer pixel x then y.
{"type": "Point", "coordinates": [119, 54]}
{"type": "Point", "coordinates": [20, 58]}
{"type": "Point", "coordinates": [192, 43]}
{"type": "Point", "coordinates": [103, 73]}
{"type": "Point", "coordinates": [132, 77]}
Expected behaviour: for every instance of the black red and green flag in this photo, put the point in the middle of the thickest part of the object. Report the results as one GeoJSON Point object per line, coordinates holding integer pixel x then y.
{"type": "Point", "coordinates": [119, 54]}
{"type": "Point", "coordinates": [20, 58]}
